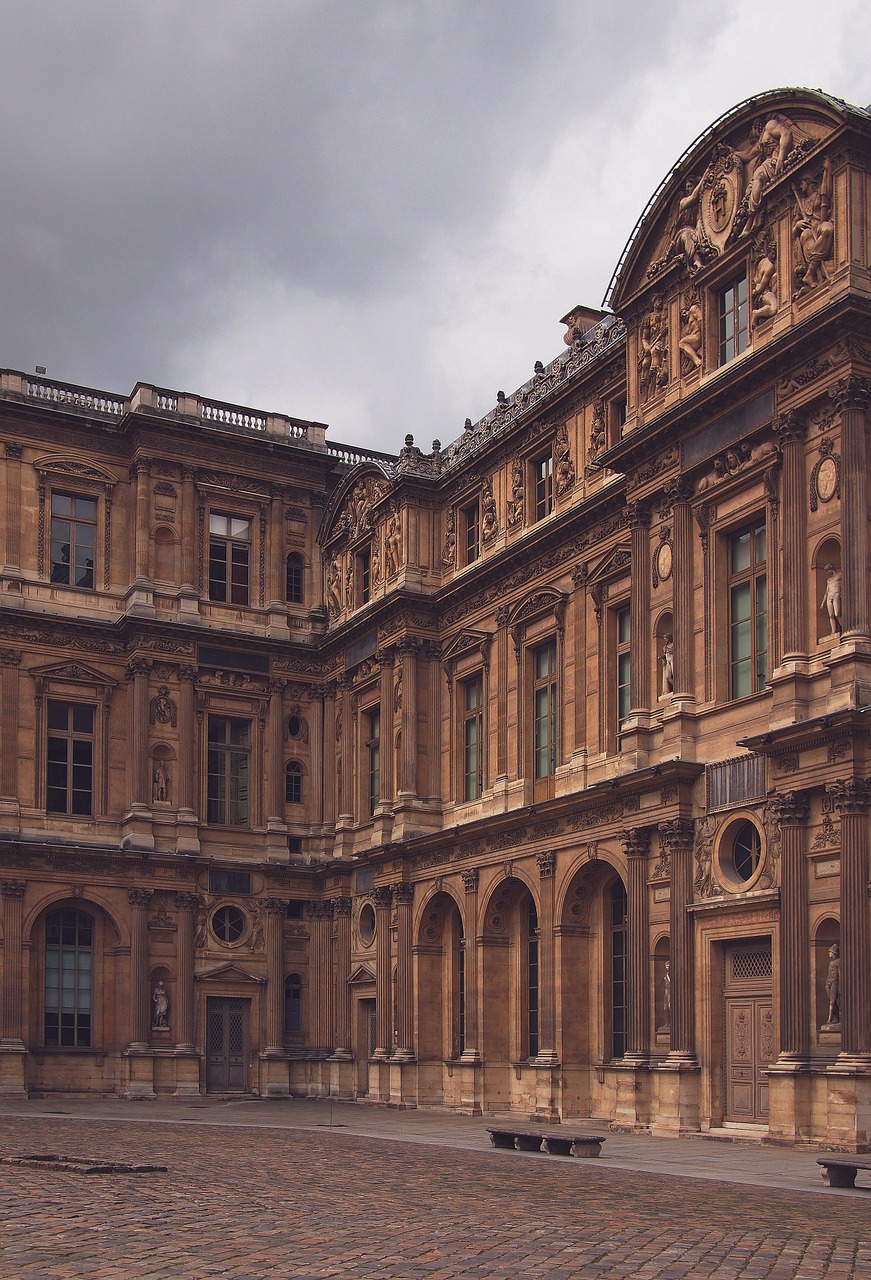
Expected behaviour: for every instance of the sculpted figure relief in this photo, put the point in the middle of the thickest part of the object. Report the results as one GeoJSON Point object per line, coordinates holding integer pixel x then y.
{"type": "Point", "coordinates": [598, 435]}
{"type": "Point", "coordinates": [686, 243]}
{"type": "Point", "coordinates": [690, 345]}
{"type": "Point", "coordinates": [489, 519]}
{"type": "Point", "coordinates": [833, 989]}
{"type": "Point", "coordinates": [764, 297]}
{"type": "Point", "coordinates": [668, 664]}
{"type": "Point", "coordinates": [770, 145]}
{"type": "Point", "coordinates": [334, 589]}
{"type": "Point", "coordinates": [160, 1003]}
{"type": "Point", "coordinates": [813, 229]}
{"type": "Point", "coordinates": [565, 468]}
{"type": "Point", "coordinates": [653, 361]}
{"type": "Point", "coordinates": [160, 783]}
{"type": "Point", "coordinates": [831, 600]}
{"type": "Point", "coordinates": [393, 545]}
{"type": "Point", "coordinates": [515, 502]}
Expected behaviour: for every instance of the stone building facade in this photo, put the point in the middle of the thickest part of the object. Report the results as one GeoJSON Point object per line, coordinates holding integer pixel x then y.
{"type": "Point", "coordinates": [527, 774]}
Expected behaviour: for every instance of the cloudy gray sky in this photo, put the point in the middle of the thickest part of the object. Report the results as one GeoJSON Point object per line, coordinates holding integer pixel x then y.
{"type": "Point", "coordinates": [368, 212]}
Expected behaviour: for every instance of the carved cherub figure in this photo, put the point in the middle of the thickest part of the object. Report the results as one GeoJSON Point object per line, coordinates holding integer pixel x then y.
{"type": "Point", "coordinates": [764, 297]}
{"type": "Point", "coordinates": [690, 344]}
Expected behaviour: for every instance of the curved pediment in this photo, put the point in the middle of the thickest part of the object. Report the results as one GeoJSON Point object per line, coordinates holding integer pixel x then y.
{"type": "Point", "coordinates": [716, 196]}
{"type": "Point", "coordinates": [58, 464]}
{"type": "Point", "coordinates": [350, 512]}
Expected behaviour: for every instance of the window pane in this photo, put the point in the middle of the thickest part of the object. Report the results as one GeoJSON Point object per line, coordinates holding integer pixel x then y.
{"type": "Point", "coordinates": [218, 524]}
{"type": "Point", "coordinates": [83, 719]}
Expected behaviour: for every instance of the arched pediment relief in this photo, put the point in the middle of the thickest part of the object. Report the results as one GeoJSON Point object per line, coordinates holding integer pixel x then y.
{"type": "Point", "coordinates": [467, 642]}
{"type": "Point", "coordinates": [351, 512]}
{"type": "Point", "coordinates": [229, 973]}
{"type": "Point", "coordinates": [716, 196]}
{"type": "Point", "coordinates": [537, 605]}
{"type": "Point", "coordinates": [57, 465]}
{"type": "Point", "coordinates": [613, 565]}
{"type": "Point", "coordinates": [72, 672]}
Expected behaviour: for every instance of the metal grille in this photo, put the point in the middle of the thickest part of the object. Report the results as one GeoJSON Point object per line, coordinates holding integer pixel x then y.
{"type": "Point", "coordinates": [735, 781]}
{"type": "Point", "coordinates": [751, 964]}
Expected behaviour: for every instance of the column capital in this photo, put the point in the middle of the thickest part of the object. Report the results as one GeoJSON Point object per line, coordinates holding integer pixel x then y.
{"type": "Point", "coordinates": [679, 490]}
{"type": "Point", "coordinates": [471, 877]}
{"type": "Point", "coordinates": [432, 650]}
{"type": "Point", "coordinates": [187, 901]}
{"type": "Point", "coordinates": [790, 808]}
{"type": "Point", "coordinates": [13, 450]}
{"type": "Point", "coordinates": [790, 427]}
{"type": "Point", "coordinates": [850, 795]}
{"type": "Point", "coordinates": [386, 657]}
{"type": "Point", "coordinates": [319, 910]}
{"type": "Point", "coordinates": [636, 843]}
{"type": "Point", "coordinates": [382, 896]}
{"type": "Point", "coordinates": [546, 863]}
{"type": "Point", "coordinates": [408, 645]}
{"type": "Point", "coordinates": [403, 893]}
{"type": "Point", "coordinates": [140, 467]}
{"type": "Point", "coordinates": [851, 393]}
{"type": "Point", "coordinates": [275, 687]}
{"type": "Point", "coordinates": [140, 899]}
{"type": "Point", "coordinates": [13, 888]}
{"type": "Point", "coordinates": [638, 515]}
{"type": "Point", "coordinates": [342, 906]}
{"type": "Point", "coordinates": [10, 658]}
{"type": "Point", "coordinates": [138, 667]}
{"type": "Point", "coordinates": [187, 674]}
{"type": "Point", "coordinates": [677, 833]}
{"type": "Point", "coordinates": [274, 906]}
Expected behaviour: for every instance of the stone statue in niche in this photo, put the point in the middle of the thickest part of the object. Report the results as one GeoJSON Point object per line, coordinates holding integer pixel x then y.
{"type": "Point", "coordinates": [393, 545]}
{"type": "Point", "coordinates": [763, 294]}
{"type": "Point", "coordinates": [489, 519]}
{"type": "Point", "coordinates": [690, 345]}
{"type": "Point", "coordinates": [375, 564]}
{"type": "Point", "coordinates": [349, 583]}
{"type": "Point", "coordinates": [565, 468]}
{"type": "Point", "coordinates": [833, 989]}
{"type": "Point", "coordinates": [160, 1004]}
{"type": "Point", "coordinates": [160, 782]}
{"type": "Point", "coordinates": [653, 361]}
{"type": "Point", "coordinates": [598, 435]}
{"type": "Point", "coordinates": [666, 999]}
{"type": "Point", "coordinates": [668, 664]}
{"type": "Point", "coordinates": [813, 230]}
{"type": "Point", "coordinates": [449, 551]}
{"type": "Point", "coordinates": [515, 502]}
{"type": "Point", "coordinates": [334, 589]}
{"type": "Point", "coordinates": [831, 600]}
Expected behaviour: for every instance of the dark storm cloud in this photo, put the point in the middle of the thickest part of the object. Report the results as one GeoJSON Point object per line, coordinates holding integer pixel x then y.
{"type": "Point", "coordinates": [267, 194]}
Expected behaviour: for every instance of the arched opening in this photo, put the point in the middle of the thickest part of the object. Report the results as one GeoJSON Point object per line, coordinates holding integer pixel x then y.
{"type": "Point", "coordinates": [663, 645]}
{"type": "Point", "coordinates": [68, 1003]}
{"type": "Point", "coordinates": [827, 975]}
{"type": "Point", "coordinates": [293, 1005]}
{"type": "Point", "coordinates": [293, 789]}
{"type": "Point", "coordinates": [661, 1002]}
{"type": "Point", "coordinates": [441, 995]}
{"type": "Point", "coordinates": [165, 556]}
{"type": "Point", "coordinates": [618, 937]}
{"type": "Point", "coordinates": [827, 589]}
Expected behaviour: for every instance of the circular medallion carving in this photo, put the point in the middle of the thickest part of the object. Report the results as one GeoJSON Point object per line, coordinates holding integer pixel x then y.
{"type": "Point", "coordinates": [827, 479]}
{"type": "Point", "coordinates": [664, 561]}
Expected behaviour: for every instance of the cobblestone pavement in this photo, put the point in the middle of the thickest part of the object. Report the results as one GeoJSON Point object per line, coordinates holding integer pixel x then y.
{"type": "Point", "coordinates": [251, 1202]}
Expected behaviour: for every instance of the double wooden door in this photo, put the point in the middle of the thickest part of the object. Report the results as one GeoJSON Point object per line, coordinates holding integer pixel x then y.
{"type": "Point", "coordinates": [749, 1019]}
{"type": "Point", "coordinates": [226, 1045]}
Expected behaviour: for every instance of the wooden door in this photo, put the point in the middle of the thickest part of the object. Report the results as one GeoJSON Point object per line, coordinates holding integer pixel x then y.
{"type": "Point", "coordinates": [749, 1020]}
{"type": "Point", "coordinates": [226, 1045]}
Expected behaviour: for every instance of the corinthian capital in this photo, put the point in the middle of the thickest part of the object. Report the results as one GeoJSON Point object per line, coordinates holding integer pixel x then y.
{"type": "Point", "coordinates": [790, 808]}
{"type": "Point", "coordinates": [851, 393]}
{"type": "Point", "coordinates": [850, 795]}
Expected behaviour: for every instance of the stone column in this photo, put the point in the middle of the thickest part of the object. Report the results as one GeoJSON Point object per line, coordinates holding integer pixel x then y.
{"type": "Point", "coordinates": [793, 488]}
{"type": "Point", "coordinates": [851, 396]}
{"type": "Point", "coordinates": [345, 798]}
{"type": "Point", "coordinates": [13, 969]}
{"type": "Point", "coordinates": [851, 797]}
{"type": "Point", "coordinates": [547, 1054]}
{"type": "Point", "coordinates": [275, 789]}
{"type": "Point", "coordinates": [432, 658]}
{"type": "Point", "coordinates": [408, 720]}
{"type": "Point", "coordinates": [140, 794]}
{"type": "Point", "coordinates": [186, 904]}
{"type": "Point", "coordinates": [277, 556]}
{"type": "Point", "coordinates": [190, 533]}
{"type": "Point", "coordinates": [387, 733]}
{"type": "Point", "coordinates": [383, 967]}
{"type": "Point", "coordinates": [314, 800]}
{"type": "Point", "coordinates": [635, 846]}
{"type": "Point", "coordinates": [10, 661]}
{"type": "Point", "coordinates": [275, 911]}
{"type": "Point", "coordinates": [320, 915]}
{"type": "Point", "coordinates": [140, 472]}
{"type": "Point", "coordinates": [471, 1053]}
{"type": "Point", "coordinates": [12, 521]}
{"type": "Point", "coordinates": [403, 895]}
{"type": "Point", "coordinates": [187, 744]}
{"type": "Point", "coordinates": [676, 841]}
{"type": "Point", "coordinates": [639, 524]}
{"type": "Point", "coordinates": [140, 995]}
{"type": "Point", "coordinates": [342, 917]}
{"type": "Point", "coordinates": [684, 583]}
{"type": "Point", "coordinates": [329, 755]}
{"type": "Point", "coordinates": [791, 811]}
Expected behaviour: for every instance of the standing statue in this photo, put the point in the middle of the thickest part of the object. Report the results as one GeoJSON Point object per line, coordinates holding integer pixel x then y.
{"type": "Point", "coordinates": [160, 783]}
{"type": "Point", "coordinates": [515, 502]}
{"type": "Point", "coordinates": [334, 589]}
{"type": "Point", "coordinates": [160, 1000]}
{"type": "Point", "coordinates": [831, 600]}
{"type": "Point", "coordinates": [668, 665]}
{"type": "Point", "coordinates": [814, 230]}
{"type": "Point", "coordinates": [833, 988]}
{"type": "Point", "coordinates": [393, 545]}
{"type": "Point", "coordinates": [666, 998]}
{"type": "Point", "coordinates": [653, 361]}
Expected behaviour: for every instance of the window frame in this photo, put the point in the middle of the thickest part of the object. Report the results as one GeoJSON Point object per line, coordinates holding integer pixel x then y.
{"type": "Point", "coordinates": [617, 971]}
{"type": "Point", "coordinates": [294, 769]}
{"type": "Point", "coordinates": [293, 999]}
{"type": "Point", "coordinates": [546, 683]}
{"type": "Point", "coordinates": [372, 743]}
{"type": "Point", "coordinates": [530, 925]}
{"type": "Point", "coordinates": [294, 588]}
{"type": "Point", "coordinates": [756, 576]}
{"type": "Point", "coordinates": [230, 542]}
{"type": "Point", "coordinates": [733, 333]}
{"type": "Point", "coordinates": [472, 717]}
{"type": "Point", "coordinates": [75, 522]}
{"type": "Point", "coordinates": [71, 736]}
{"type": "Point", "coordinates": [470, 531]}
{"type": "Point", "coordinates": [541, 487]}
{"type": "Point", "coordinates": [229, 751]}
{"type": "Point", "coordinates": [622, 629]}
{"type": "Point", "coordinates": [90, 1040]}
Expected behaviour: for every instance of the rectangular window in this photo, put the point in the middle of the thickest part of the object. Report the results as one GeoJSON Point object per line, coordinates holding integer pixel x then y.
{"type": "Point", "coordinates": [221, 881]}
{"type": "Point", "coordinates": [68, 979]}
{"type": "Point", "coordinates": [473, 738]}
{"type": "Point", "coordinates": [748, 612]}
{"type": "Point", "coordinates": [373, 747]}
{"type": "Point", "coordinates": [542, 472]}
{"type": "Point", "coordinates": [624, 665]}
{"type": "Point", "coordinates": [532, 934]}
{"type": "Point", "coordinates": [293, 579]}
{"type": "Point", "coordinates": [734, 327]}
{"type": "Point", "coordinates": [69, 774]}
{"type": "Point", "coordinates": [545, 710]}
{"type": "Point", "coordinates": [364, 569]}
{"type": "Point", "coordinates": [73, 539]}
{"type": "Point", "coordinates": [470, 525]}
{"type": "Point", "coordinates": [229, 548]}
{"type": "Point", "coordinates": [227, 771]}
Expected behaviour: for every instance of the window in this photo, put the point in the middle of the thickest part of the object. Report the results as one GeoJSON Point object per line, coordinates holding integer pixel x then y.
{"type": "Point", "coordinates": [746, 851]}
{"type": "Point", "coordinates": [734, 330]}
{"type": "Point", "coordinates": [229, 545]}
{"type": "Point", "coordinates": [228, 924]}
{"type": "Point", "coordinates": [293, 782]}
{"type": "Point", "coordinates": [473, 738]}
{"type": "Point", "coordinates": [373, 748]}
{"type": "Point", "coordinates": [748, 612]}
{"type": "Point", "coordinates": [294, 909]}
{"type": "Point", "coordinates": [73, 539]}
{"type": "Point", "coordinates": [545, 708]}
{"type": "Point", "coordinates": [293, 1005]}
{"type": "Point", "coordinates": [366, 924]}
{"type": "Point", "coordinates": [470, 526]}
{"type": "Point", "coordinates": [531, 992]}
{"type": "Point", "coordinates": [542, 473]}
{"type": "Point", "coordinates": [293, 579]}
{"type": "Point", "coordinates": [221, 881]}
{"type": "Point", "coordinates": [624, 665]}
{"type": "Point", "coordinates": [227, 782]}
{"type": "Point", "coordinates": [364, 575]}
{"type": "Point", "coordinates": [619, 989]}
{"type": "Point", "coordinates": [68, 979]}
{"type": "Point", "coordinates": [69, 758]}
{"type": "Point", "coordinates": [460, 971]}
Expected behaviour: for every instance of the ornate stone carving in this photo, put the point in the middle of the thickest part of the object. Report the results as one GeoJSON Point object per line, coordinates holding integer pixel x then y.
{"type": "Point", "coordinates": [319, 910]}
{"type": "Point", "coordinates": [489, 517]}
{"type": "Point", "coordinates": [470, 877]}
{"type": "Point", "coordinates": [813, 230]}
{"type": "Point", "coordinates": [825, 482]}
{"type": "Point", "coordinates": [160, 782]}
{"type": "Point", "coordinates": [734, 460]}
{"type": "Point", "coordinates": [636, 842]}
{"type": "Point", "coordinates": [162, 709]}
{"type": "Point", "coordinates": [403, 893]}
{"type": "Point", "coordinates": [13, 888]}
{"type": "Point", "coordinates": [160, 1007]}
{"type": "Point", "coordinates": [449, 550]}
{"type": "Point", "coordinates": [334, 588]}
{"type": "Point", "coordinates": [515, 502]}
{"type": "Point", "coordinates": [691, 335]}
{"type": "Point", "coordinates": [763, 294]}
{"type": "Point", "coordinates": [790, 808]}
{"type": "Point", "coordinates": [850, 795]}
{"type": "Point", "coordinates": [564, 468]}
{"type": "Point", "coordinates": [392, 545]}
{"type": "Point", "coordinates": [382, 895]}
{"type": "Point", "coordinates": [653, 360]}
{"type": "Point", "coordinates": [140, 898]}
{"type": "Point", "coordinates": [851, 393]}
{"type": "Point", "coordinates": [342, 906]}
{"type": "Point", "coordinates": [546, 863]}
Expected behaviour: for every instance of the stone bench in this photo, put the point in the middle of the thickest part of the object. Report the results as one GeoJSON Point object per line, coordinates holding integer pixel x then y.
{"type": "Point", "coordinates": [581, 1145]}
{"type": "Point", "coordinates": [840, 1170]}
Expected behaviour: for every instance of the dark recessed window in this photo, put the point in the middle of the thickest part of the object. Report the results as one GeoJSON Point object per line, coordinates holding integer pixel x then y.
{"type": "Point", "coordinates": [73, 539]}
{"type": "Point", "coordinates": [292, 1005]}
{"type": "Point", "coordinates": [293, 586]}
{"type": "Point", "coordinates": [734, 327]}
{"type": "Point", "coordinates": [748, 609]}
{"type": "Point", "coordinates": [229, 550]}
{"type": "Point", "coordinates": [293, 782]}
{"type": "Point", "coordinates": [542, 473]}
{"type": "Point", "coordinates": [69, 774]}
{"type": "Point", "coordinates": [69, 967]}
{"type": "Point", "coordinates": [228, 924]}
{"type": "Point", "coordinates": [227, 782]}
{"type": "Point", "coordinates": [222, 881]}
{"type": "Point", "coordinates": [746, 851]}
{"type": "Point", "coordinates": [470, 526]}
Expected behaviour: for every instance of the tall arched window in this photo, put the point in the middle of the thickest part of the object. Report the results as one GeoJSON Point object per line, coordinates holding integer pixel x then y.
{"type": "Point", "coordinates": [69, 969]}
{"type": "Point", "coordinates": [292, 1004]}
{"type": "Point", "coordinates": [619, 989]}
{"type": "Point", "coordinates": [293, 782]}
{"type": "Point", "coordinates": [531, 975]}
{"type": "Point", "coordinates": [293, 587]}
{"type": "Point", "coordinates": [459, 946]}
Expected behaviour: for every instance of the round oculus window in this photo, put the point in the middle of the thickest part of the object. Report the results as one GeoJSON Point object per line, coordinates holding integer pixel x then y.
{"type": "Point", "coordinates": [228, 924]}
{"type": "Point", "coordinates": [294, 727]}
{"type": "Point", "coordinates": [746, 851]}
{"type": "Point", "coordinates": [366, 924]}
